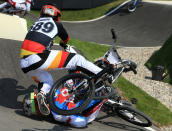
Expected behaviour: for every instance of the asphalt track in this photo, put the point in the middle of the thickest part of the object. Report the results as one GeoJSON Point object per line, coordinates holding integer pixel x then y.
{"type": "Point", "coordinates": [150, 25]}
{"type": "Point", "coordinates": [14, 84]}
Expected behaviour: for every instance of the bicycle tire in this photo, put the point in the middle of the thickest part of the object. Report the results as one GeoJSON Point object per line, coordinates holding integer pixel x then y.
{"type": "Point", "coordinates": [132, 110]}
{"type": "Point", "coordinates": [78, 109]}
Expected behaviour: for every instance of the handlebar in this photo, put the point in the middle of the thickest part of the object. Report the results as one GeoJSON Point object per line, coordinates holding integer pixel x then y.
{"type": "Point", "coordinates": [131, 64]}
{"type": "Point", "coordinates": [133, 69]}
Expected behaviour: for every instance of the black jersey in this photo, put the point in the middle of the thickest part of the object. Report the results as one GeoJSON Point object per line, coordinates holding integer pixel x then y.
{"type": "Point", "coordinates": [41, 35]}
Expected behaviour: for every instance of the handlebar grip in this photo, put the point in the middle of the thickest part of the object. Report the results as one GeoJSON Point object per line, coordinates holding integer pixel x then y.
{"type": "Point", "coordinates": [133, 69]}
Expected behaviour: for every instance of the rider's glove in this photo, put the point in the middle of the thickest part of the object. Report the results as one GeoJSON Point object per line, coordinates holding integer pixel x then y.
{"type": "Point", "coordinates": [70, 49]}
{"type": "Point", "coordinates": [64, 45]}
{"type": "Point", "coordinates": [67, 48]}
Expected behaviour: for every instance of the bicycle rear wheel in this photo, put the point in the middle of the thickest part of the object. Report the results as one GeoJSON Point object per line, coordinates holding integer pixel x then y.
{"type": "Point", "coordinates": [133, 116]}
{"type": "Point", "coordinates": [71, 94]}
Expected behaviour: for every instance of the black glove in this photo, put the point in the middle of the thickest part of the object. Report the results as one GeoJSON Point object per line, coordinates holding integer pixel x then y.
{"type": "Point", "coordinates": [64, 45]}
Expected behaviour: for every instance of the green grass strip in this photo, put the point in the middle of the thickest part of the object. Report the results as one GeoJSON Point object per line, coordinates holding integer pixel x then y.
{"type": "Point", "coordinates": [147, 104]}
{"type": "Point", "coordinates": [29, 22]}
{"type": "Point", "coordinates": [88, 49]}
{"type": "Point", "coordinates": [86, 14]}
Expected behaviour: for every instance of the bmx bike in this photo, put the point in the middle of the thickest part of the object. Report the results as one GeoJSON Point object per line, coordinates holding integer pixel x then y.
{"type": "Point", "coordinates": [77, 90]}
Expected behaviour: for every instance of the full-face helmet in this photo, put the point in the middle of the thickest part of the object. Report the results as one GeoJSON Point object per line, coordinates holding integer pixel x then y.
{"type": "Point", "coordinates": [50, 10]}
{"type": "Point", "coordinates": [30, 105]}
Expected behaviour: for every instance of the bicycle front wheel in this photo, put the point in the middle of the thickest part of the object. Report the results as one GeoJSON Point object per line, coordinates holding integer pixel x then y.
{"type": "Point", "coordinates": [71, 94]}
{"type": "Point", "coordinates": [133, 116]}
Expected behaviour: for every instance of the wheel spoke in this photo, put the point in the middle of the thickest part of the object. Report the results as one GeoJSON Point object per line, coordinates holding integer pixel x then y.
{"type": "Point", "coordinates": [134, 116]}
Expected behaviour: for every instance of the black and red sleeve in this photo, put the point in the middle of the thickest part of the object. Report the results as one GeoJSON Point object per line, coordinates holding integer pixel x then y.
{"type": "Point", "coordinates": [62, 33]}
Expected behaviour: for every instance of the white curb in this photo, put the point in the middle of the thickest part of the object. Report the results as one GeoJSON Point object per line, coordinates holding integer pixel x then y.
{"type": "Point", "coordinates": [158, 2]}
{"type": "Point", "coordinates": [84, 21]}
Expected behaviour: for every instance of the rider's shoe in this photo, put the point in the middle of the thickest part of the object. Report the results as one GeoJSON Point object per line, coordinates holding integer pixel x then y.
{"type": "Point", "coordinates": [43, 107]}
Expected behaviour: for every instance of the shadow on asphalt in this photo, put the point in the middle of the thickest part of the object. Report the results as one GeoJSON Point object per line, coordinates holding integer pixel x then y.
{"type": "Point", "coordinates": [55, 128]}
{"type": "Point", "coordinates": [116, 125]}
{"type": "Point", "coordinates": [60, 126]}
{"type": "Point", "coordinates": [10, 91]}
{"type": "Point", "coordinates": [123, 11]}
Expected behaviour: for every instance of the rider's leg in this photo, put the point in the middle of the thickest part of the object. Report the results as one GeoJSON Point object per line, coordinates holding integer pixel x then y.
{"type": "Point", "coordinates": [42, 77]}
{"type": "Point", "coordinates": [17, 4]}
{"type": "Point", "coordinates": [12, 11]}
{"type": "Point", "coordinates": [47, 81]}
{"type": "Point", "coordinates": [80, 61]}
{"type": "Point", "coordinates": [92, 112]}
{"type": "Point", "coordinates": [73, 120]}
{"type": "Point", "coordinates": [88, 116]}
{"type": "Point", "coordinates": [28, 66]}
{"type": "Point", "coordinates": [64, 60]}
{"type": "Point", "coordinates": [20, 6]}
{"type": "Point", "coordinates": [3, 5]}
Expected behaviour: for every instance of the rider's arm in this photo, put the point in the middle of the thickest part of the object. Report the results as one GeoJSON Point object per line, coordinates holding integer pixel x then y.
{"type": "Point", "coordinates": [62, 33]}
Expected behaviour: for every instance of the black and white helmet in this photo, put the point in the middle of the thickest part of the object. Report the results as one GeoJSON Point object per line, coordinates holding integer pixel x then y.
{"type": "Point", "coordinates": [30, 105]}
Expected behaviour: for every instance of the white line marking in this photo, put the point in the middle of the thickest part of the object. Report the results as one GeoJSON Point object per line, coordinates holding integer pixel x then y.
{"type": "Point", "coordinates": [137, 46]}
{"type": "Point", "coordinates": [158, 2]}
{"type": "Point", "coordinates": [149, 128]}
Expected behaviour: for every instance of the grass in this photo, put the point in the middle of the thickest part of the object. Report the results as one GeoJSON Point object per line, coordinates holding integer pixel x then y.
{"type": "Point", "coordinates": [86, 14]}
{"type": "Point", "coordinates": [163, 57]}
{"type": "Point", "coordinates": [147, 104]}
{"type": "Point", "coordinates": [160, 114]}
{"type": "Point", "coordinates": [29, 22]}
